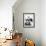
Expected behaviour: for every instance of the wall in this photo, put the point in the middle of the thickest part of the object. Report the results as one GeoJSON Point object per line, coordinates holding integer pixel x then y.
{"type": "Point", "coordinates": [43, 22]}
{"type": "Point", "coordinates": [6, 13]}
{"type": "Point", "coordinates": [28, 6]}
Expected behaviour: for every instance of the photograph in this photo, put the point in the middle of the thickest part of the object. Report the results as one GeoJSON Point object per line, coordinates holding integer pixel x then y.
{"type": "Point", "coordinates": [29, 20]}
{"type": "Point", "coordinates": [22, 22]}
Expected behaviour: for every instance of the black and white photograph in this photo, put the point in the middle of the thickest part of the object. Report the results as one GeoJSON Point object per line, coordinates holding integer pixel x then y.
{"type": "Point", "coordinates": [29, 20]}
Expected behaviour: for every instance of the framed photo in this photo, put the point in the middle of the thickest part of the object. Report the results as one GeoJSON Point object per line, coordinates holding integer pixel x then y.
{"type": "Point", "coordinates": [29, 20]}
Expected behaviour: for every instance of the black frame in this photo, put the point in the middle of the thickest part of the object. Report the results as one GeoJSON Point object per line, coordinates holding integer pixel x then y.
{"type": "Point", "coordinates": [33, 19]}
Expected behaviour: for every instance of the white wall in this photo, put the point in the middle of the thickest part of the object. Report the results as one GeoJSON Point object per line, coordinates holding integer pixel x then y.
{"type": "Point", "coordinates": [43, 22]}
{"type": "Point", "coordinates": [28, 6]}
{"type": "Point", "coordinates": [6, 13]}
{"type": "Point", "coordinates": [39, 8]}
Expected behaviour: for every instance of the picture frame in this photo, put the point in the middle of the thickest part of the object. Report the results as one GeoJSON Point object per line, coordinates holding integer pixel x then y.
{"type": "Point", "coordinates": [28, 20]}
